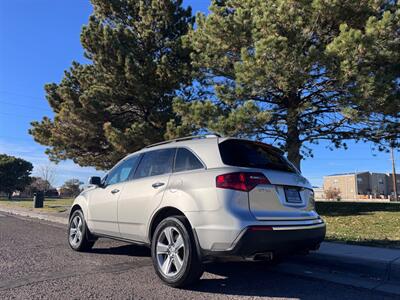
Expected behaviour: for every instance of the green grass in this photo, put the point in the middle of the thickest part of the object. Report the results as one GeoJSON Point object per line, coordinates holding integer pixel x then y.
{"type": "Point", "coordinates": [49, 205]}
{"type": "Point", "coordinates": [369, 224]}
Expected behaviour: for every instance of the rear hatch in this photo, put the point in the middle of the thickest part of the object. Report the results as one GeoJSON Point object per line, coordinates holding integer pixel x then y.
{"type": "Point", "coordinates": [285, 195]}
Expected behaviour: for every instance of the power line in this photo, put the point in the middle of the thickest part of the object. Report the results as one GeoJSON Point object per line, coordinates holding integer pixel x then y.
{"type": "Point", "coordinates": [29, 138]}
{"type": "Point", "coordinates": [15, 115]}
{"type": "Point", "coordinates": [20, 95]}
{"type": "Point", "coordinates": [24, 105]}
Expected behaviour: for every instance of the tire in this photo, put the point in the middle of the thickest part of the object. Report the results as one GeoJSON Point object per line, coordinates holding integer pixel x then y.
{"type": "Point", "coordinates": [82, 240]}
{"type": "Point", "coordinates": [176, 262]}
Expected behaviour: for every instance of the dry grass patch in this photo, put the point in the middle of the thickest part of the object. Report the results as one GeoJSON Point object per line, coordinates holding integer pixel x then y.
{"type": "Point", "coordinates": [372, 224]}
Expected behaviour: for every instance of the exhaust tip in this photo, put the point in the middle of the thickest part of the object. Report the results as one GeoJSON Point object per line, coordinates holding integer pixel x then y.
{"type": "Point", "coordinates": [265, 256]}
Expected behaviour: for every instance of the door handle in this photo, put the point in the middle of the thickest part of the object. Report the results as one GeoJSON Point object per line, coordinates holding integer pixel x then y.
{"type": "Point", "coordinates": [157, 184]}
{"type": "Point", "coordinates": [115, 191]}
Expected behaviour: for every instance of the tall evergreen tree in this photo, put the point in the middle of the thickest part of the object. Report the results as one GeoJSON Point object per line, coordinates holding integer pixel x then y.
{"type": "Point", "coordinates": [295, 72]}
{"type": "Point", "coordinates": [14, 174]}
{"type": "Point", "coordinates": [123, 99]}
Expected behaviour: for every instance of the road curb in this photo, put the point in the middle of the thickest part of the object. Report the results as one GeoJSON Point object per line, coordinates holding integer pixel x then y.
{"type": "Point", "coordinates": [349, 279]}
{"type": "Point", "coordinates": [35, 215]}
{"type": "Point", "coordinates": [394, 270]}
{"type": "Point", "coordinates": [389, 271]}
{"type": "Point", "coordinates": [380, 271]}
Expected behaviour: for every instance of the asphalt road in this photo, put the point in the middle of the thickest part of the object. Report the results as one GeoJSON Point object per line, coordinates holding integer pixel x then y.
{"type": "Point", "coordinates": [37, 263]}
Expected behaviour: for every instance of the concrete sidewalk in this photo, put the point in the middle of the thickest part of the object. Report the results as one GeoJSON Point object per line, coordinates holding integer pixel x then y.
{"type": "Point", "coordinates": [367, 267]}
{"type": "Point", "coordinates": [360, 266]}
{"type": "Point", "coordinates": [371, 261]}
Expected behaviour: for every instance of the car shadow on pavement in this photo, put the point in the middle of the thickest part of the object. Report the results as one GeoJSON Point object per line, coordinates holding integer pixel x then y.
{"type": "Point", "coordinates": [247, 279]}
{"type": "Point", "coordinates": [228, 278]}
{"type": "Point", "coordinates": [127, 250]}
{"type": "Point", "coordinates": [235, 278]}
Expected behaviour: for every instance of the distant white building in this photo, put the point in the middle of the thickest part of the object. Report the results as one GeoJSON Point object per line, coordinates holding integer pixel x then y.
{"type": "Point", "coordinates": [319, 193]}
{"type": "Point", "coordinates": [361, 185]}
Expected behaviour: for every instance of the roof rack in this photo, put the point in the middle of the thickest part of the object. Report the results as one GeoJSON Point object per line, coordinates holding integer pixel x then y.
{"type": "Point", "coordinates": [186, 138]}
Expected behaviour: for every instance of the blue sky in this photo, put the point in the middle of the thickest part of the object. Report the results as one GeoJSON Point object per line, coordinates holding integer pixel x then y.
{"type": "Point", "coordinates": [39, 40]}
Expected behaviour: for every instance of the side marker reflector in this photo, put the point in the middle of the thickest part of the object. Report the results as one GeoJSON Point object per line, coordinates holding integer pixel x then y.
{"type": "Point", "coordinates": [261, 228]}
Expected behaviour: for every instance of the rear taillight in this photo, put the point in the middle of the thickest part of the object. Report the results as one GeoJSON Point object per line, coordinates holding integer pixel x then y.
{"type": "Point", "coordinates": [241, 181]}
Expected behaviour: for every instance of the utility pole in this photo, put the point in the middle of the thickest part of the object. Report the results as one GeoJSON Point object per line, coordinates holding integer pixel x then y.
{"type": "Point", "coordinates": [394, 174]}
{"type": "Point", "coordinates": [356, 185]}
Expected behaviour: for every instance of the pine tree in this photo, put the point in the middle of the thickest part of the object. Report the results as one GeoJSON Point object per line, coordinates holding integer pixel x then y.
{"type": "Point", "coordinates": [122, 100]}
{"type": "Point", "coordinates": [295, 72]}
{"type": "Point", "coordinates": [14, 174]}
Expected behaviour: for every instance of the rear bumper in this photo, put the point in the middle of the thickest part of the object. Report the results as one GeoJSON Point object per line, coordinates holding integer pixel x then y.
{"type": "Point", "coordinates": [277, 239]}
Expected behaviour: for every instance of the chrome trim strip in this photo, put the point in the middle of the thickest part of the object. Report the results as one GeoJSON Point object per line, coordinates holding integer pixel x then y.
{"type": "Point", "coordinates": [290, 222]}
{"type": "Point", "coordinates": [280, 218]}
{"type": "Point", "coordinates": [298, 227]}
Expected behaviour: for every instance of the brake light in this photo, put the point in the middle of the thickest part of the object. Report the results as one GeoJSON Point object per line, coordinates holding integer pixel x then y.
{"type": "Point", "coordinates": [241, 181]}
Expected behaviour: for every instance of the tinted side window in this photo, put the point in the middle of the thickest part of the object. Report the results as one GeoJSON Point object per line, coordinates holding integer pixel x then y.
{"type": "Point", "coordinates": [123, 170]}
{"type": "Point", "coordinates": [186, 160]}
{"type": "Point", "coordinates": [253, 155]}
{"type": "Point", "coordinates": [156, 162]}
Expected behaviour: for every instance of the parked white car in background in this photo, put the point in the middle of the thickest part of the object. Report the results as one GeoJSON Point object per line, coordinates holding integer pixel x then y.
{"type": "Point", "coordinates": [197, 198]}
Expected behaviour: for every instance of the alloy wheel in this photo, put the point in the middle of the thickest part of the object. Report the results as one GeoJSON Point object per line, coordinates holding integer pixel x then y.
{"type": "Point", "coordinates": [75, 231]}
{"type": "Point", "coordinates": [170, 251]}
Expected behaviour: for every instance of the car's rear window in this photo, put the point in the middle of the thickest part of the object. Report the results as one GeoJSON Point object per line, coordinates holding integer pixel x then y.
{"type": "Point", "coordinates": [250, 154]}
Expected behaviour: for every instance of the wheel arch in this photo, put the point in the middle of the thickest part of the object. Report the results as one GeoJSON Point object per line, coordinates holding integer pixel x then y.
{"type": "Point", "coordinates": [74, 208]}
{"type": "Point", "coordinates": [168, 211]}
{"type": "Point", "coordinates": [160, 215]}
{"type": "Point", "coordinates": [80, 203]}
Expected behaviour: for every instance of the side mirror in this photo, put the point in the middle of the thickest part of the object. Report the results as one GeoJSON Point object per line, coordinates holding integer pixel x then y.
{"type": "Point", "coordinates": [95, 180]}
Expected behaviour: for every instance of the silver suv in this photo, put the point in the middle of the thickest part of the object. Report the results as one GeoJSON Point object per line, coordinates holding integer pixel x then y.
{"type": "Point", "coordinates": [198, 198]}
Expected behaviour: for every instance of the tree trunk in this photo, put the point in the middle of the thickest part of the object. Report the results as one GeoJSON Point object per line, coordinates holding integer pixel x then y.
{"type": "Point", "coordinates": [293, 143]}
{"type": "Point", "coordinates": [293, 149]}
{"type": "Point", "coordinates": [9, 195]}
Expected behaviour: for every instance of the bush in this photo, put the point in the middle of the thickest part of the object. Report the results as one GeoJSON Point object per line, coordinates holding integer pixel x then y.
{"type": "Point", "coordinates": [332, 193]}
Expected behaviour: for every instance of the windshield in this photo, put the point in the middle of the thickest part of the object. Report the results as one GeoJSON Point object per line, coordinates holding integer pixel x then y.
{"type": "Point", "coordinates": [241, 153]}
